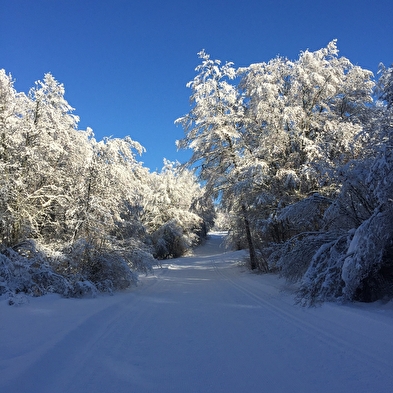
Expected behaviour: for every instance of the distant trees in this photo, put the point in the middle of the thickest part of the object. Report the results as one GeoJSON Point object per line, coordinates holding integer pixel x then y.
{"type": "Point", "coordinates": [296, 155]}
{"type": "Point", "coordinates": [297, 152]}
{"type": "Point", "coordinates": [79, 215]}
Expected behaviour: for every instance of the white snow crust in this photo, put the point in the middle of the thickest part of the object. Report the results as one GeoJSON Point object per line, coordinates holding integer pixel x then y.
{"type": "Point", "coordinates": [203, 323]}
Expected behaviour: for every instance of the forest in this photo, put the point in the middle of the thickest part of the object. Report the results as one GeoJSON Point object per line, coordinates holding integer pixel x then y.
{"type": "Point", "coordinates": [292, 157]}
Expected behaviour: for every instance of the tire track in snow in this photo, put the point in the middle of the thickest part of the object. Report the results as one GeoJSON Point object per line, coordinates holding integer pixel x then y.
{"type": "Point", "coordinates": [77, 347]}
{"type": "Point", "coordinates": [197, 326]}
{"type": "Point", "coordinates": [311, 329]}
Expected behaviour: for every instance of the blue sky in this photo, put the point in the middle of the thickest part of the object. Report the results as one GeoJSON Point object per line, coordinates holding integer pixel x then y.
{"type": "Point", "coordinates": [125, 64]}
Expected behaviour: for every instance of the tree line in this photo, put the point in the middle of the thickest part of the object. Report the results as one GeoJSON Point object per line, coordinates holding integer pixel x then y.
{"type": "Point", "coordinates": [298, 156]}
{"type": "Point", "coordinates": [79, 215]}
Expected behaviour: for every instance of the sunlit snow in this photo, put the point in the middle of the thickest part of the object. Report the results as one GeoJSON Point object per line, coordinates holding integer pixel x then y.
{"type": "Point", "coordinates": [202, 323]}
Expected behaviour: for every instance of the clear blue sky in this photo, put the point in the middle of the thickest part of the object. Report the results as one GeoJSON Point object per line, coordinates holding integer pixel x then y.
{"type": "Point", "coordinates": [125, 63]}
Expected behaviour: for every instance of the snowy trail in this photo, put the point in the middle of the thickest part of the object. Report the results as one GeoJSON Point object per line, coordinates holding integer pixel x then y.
{"type": "Point", "coordinates": [200, 324]}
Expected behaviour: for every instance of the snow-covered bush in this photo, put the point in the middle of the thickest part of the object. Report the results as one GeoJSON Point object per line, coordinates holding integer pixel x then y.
{"type": "Point", "coordinates": [294, 257]}
{"type": "Point", "coordinates": [108, 270]}
{"type": "Point", "coordinates": [359, 264]}
{"type": "Point", "coordinates": [367, 271]}
{"type": "Point", "coordinates": [170, 241]}
{"type": "Point", "coordinates": [26, 269]}
{"type": "Point", "coordinates": [323, 281]}
{"type": "Point", "coordinates": [355, 266]}
{"type": "Point", "coordinates": [82, 272]}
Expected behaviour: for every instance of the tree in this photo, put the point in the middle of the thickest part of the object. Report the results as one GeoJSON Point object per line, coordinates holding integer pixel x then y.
{"type": "Point", "coordinates": [16, 213]}
{"type": "Point", "coordinates": [306, 117]}
{"type": "Point", "coordinates": [385, 85]}
{"type": "Point", "coordinates": [278, 135]}
{"type": "Point", "coordinates": [169, 211]}
{"type": "Point", "coordinates": [214, 129]}
{"type": "Point", "coordinates": [67, 213]}
{"type": "Point", "coordinates": [357, 263]}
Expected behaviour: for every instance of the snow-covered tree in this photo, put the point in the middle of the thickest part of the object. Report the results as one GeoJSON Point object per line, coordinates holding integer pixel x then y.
{"type": "Point", "coordinates": [302, 148]}
{"type": "Point", "coordinates": [357, 265]}
{"type": "Point", "coordinates": [279, 134]}
{"type": "Point", "coordinates": [67, 212]}
{"type": "Point", "coordinates": [79, 215]}
{"type": "Point", "coordinates": [171, 215]}
{"type": "Point", "coordinates": [307, 115]}
{"type": "Point", "coordinates": [215, 132]}
{"type": "Point", "coordinates": [385, 85]}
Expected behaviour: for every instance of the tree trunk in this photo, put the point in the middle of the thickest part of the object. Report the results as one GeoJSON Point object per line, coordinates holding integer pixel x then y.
{"type": "Point", "coordinates": [253, 257]}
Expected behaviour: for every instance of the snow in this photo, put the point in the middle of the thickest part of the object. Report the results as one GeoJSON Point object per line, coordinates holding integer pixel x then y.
{"type": "Point", "coordinates": [202, 323]}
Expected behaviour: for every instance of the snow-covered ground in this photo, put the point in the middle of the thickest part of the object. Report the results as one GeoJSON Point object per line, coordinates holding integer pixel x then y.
{"type": "Point", "coordinates": [199, 324]}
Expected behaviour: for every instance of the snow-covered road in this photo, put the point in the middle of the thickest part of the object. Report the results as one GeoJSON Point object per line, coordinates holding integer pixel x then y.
{"type": "Point", "coordinates": [199, 324]}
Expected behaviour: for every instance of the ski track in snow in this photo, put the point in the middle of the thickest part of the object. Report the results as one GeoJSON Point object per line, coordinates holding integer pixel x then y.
{"type": "Point", "coordinates": [202, 323]}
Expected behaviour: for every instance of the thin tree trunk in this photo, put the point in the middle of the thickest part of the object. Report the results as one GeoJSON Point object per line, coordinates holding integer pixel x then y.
{"type": "Point", "coordinates": [253, 257]}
